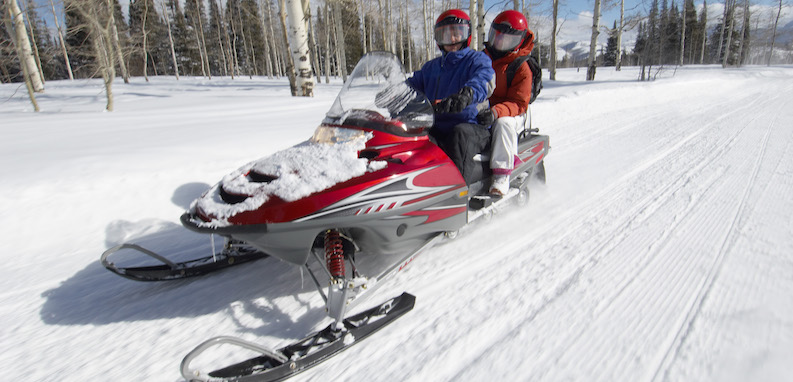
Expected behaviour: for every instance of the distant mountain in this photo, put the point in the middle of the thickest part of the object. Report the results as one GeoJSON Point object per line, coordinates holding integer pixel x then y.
{"type": "Point", "coordinates": [576, 50]}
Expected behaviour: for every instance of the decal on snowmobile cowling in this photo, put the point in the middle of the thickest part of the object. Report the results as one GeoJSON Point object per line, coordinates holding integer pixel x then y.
{"type": "Point", "coordinates": [395, 192]}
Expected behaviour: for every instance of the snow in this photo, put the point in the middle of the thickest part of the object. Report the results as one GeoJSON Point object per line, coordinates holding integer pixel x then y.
{"type": "Point", "coordinates": [659, 249]}
{"type": "Point", "coordinates": [329, 158]}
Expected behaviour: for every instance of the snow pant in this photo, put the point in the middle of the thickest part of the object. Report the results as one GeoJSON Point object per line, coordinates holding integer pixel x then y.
{"type": "Point", "coordinates": [504, 150]}
{"type": "Point", "coordinates": [462, 144]}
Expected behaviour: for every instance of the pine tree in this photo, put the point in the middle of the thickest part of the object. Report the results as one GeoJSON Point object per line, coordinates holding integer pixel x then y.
{"type": "Point", "coordinates": [157, 46]}
{"type": "Point", "coordinates": [180, 34]}
{"type": "Point", "coordinates": [733, 57]}
{"type": "Point", "coordinates": [610, 56]}
{"type": "Point", "coordinates": [193, 51]}
{"type": "Point", "coordinates": [215, 42]}
{"type": "Point", "coordinates": [78, 40]}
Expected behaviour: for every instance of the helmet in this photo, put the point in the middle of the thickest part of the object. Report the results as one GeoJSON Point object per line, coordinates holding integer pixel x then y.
{"type": "Point", "coordinates": [452, 27]}
{"type": "Point", "coordinates": [508, 31]}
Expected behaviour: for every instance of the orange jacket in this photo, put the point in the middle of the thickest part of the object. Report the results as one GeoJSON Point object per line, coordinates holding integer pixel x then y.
{"type": "Point", "coordinates": [512, 101]}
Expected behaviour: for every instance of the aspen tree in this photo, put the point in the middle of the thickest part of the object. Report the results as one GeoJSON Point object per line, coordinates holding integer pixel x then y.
{"type": "Point", "coordinates": [298, 42]}
{"type": "Point", "coordinates": [22, 43]}
{"type": "Point", "coordinates": [592, 60]}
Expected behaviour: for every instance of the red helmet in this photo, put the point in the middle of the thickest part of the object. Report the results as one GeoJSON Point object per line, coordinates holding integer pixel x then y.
{"type": "Point", "coordinates": [452, 27]}
{"type": "Point", "coordinates": [508, 31]}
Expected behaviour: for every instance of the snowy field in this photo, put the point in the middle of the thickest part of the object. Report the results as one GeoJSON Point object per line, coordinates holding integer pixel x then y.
{"type": "Point", "coordinates": [659, 250]}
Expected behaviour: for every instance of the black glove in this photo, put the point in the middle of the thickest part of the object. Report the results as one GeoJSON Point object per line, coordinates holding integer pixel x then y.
{"type": "Point", "coordinates": [487, 117]}
{"type": "Point", "coordinates": [455, 103]}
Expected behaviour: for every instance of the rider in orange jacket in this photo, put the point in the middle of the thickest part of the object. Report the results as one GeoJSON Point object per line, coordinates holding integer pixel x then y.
{"type": "Point", "coordinates": [509, 38]}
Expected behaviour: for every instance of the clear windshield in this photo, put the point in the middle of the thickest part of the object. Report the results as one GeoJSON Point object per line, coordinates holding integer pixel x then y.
{"type": "Point", "coordinates": [376, 96]}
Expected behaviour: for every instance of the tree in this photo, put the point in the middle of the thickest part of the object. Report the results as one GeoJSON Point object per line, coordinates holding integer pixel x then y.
{"type": "Point", "coordinates": [298, 43]}
{"type": "Point", "coordinates": [730, 12]}
{"type": "Point", "coordinates": [743, 47]}
{"type": "Point", "coordinates": [612, 49]}
{"type": "Point", "coordinates": [592, 60]}
{"type": "Point", "coordinates": [194, 22]}
{"type": "Point", "coordinates": [703, 28]}
{"type": "Point", "coordinates": [773, 36]}
{"type": "Point", "coordinates": [150, 48]}
{"type": "Point", "coordinates": [16, 27]}
{"type": "Point", "coordinates": [11, 26]}
{"type": "Point", "coordinates": [67, 64]}
{"type": "Point", "coordinates": [98, 23]}
{"type": "Point", "coordinates": [618, 64]}
{"type": "Point", "coordinates": [215, 35]}
{"type": "Point", "coordinates": [554, 31]}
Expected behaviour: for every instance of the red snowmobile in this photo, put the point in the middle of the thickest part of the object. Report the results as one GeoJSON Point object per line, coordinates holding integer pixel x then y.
{"type": "Point", "coordinates": [353, 205]}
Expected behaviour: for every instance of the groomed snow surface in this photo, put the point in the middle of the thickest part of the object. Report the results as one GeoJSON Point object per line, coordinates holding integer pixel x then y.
{"type": "Point", "coordinates": [659, 250]}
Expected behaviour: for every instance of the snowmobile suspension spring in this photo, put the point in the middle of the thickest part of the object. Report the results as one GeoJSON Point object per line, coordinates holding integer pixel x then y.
{"type": "Point", "coordinates": [334, 253]}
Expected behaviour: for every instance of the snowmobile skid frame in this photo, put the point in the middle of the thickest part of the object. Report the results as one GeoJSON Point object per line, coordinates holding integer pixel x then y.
{"type": "Point", "coordinates": [277, 365]}
{"type": "Point", "coordinates": [233, 253]}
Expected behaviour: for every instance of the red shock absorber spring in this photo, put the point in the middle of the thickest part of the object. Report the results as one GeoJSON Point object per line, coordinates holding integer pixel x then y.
{"type": "Point", "coordinates": [334, 253]}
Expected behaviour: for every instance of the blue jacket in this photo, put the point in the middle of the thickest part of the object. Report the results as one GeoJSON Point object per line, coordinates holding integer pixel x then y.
{"type": "Point", "coordinates": [447, 74]}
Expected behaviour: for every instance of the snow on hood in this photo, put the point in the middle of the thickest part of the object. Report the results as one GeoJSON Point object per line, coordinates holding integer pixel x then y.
{"type": "Point", "coordinates": [329, 158]}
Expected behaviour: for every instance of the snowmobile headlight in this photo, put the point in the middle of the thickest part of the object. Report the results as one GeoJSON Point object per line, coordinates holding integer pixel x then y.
{"type": "Point", "coordinates": [331, 135]}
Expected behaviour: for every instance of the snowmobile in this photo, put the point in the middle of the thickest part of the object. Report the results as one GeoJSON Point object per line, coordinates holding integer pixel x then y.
{"type": "Point", "coordinates": [352, 206]}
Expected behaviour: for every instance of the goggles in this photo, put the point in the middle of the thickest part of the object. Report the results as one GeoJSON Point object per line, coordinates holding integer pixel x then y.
{"type": "Point", "coordinates": [504, 38]}
{"type": "Point", "coordinates": [452, 33]}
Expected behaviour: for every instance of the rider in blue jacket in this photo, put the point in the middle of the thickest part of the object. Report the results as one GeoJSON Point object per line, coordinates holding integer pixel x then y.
{"type": "Point", "coordinates": [459, 83]}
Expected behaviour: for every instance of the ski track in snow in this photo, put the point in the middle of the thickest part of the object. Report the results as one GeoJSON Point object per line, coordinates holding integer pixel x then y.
{"type": "Point", "coordinates": [659, 250]}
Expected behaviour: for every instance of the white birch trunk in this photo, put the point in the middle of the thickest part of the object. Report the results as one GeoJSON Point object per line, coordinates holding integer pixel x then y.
{"type": "Point", "coordinates": [773, 36]}
{"type": "Point", "coordinates": [362, 15]}
{"type": "Point", "coordinates": [474, 24]}
{"type": "Point", "coordinates": [25, 53]}
{"type": "Point", "coordinates": [268, 62]}
{"type": "Point", "coordinates": [704, 32]}
{"type": "Point", "coordinates": [552, 67]}
{"type": "Point", "coordinates": [592, 60]}
{"type": "Point", "coordinates": [273, 48]}
{"type": "Point", "coordinates": [743, 30]}
{"type": "Point", "coordinates": [62, 42]}
{"type": "Point", "coordinates": [290, 65]}
{"type": "Point", "coordinates": [480, 24]}
{"type": "Point", "coordinates": [119, 53]}
{"type": "Point", "coordinates": [298, 42]}
{"type": "Point", "coordinates": [340, 47]}
{"type": "Point", "coordinates": [327, 42]}
{"type": "Point", "coordinates": [202, 43]}
{"type": "Point", "coordinates": [409, 37]}
{"type": "Point", "coordinates": [618, 65]}
{"type": "Point", "coordinates": [731, 14]}
{"type": "Point", "coordinates": [170, 40]}
{"type": "Point", "coordinates": [35, 46]}
{"type": "Point", "coordinates": [427, 31]}
{"type": "Point", "coordinates": [723, 26]}
{"type": "Point", "coordinates": [312, 39]}
{"type": "Point", "coordinates": [145, 51]}
{"type": "Point", "coordinates": [31, 93]}
{"type": "Point", "coordinates": [683, 35]}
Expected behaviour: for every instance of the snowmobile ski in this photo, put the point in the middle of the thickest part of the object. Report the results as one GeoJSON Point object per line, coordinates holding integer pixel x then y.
{"type": "Point", "coordinates": [232, 254]}
{"type": "Point", "coordinates": [297, 357]}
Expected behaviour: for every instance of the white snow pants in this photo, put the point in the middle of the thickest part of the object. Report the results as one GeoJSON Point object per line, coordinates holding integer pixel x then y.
{"type": "Point", "coordinates": [504, 142]}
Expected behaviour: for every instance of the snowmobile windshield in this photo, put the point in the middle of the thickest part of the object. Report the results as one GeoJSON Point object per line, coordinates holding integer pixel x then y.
{"type": "Point", "coordinates": [376, 96]}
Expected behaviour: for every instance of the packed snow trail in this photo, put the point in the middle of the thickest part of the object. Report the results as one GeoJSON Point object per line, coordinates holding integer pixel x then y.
{"type": "Point", "coordinates": [659, 250]}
